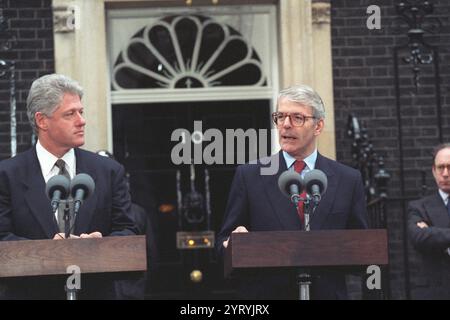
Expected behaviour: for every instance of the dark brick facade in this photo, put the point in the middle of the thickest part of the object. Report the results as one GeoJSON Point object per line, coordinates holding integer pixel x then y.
{"type": "Point", "coordinates": [363, 71]}
{"type": "Point", "coordinates": [31, 22]}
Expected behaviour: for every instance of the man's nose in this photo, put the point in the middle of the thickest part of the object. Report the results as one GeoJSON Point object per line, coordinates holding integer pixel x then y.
{"type": "Point", "coordinates": [287, 122]}
{"type": "Point", "coordinates": [81, 121]}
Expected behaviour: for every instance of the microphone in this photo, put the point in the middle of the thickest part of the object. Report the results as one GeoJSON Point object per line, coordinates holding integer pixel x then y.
{"type": "Point", "coordinates": [57, 189]}
{"type": "Point", "coordinates": [81, 186]}
{"type": "Point", "coordinates": [291, 185]}
{"type": "Point", "coordinates": [315, 184]}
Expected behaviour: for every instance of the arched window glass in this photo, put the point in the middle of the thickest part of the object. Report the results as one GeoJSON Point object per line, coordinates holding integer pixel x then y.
{"type": "Point", "coordinates": [187, 51]}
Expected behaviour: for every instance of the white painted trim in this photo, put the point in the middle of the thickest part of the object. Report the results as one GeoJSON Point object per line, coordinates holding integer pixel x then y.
{"type": "Point", "coordinates": [275, 73]}
{"type": "Point", "coordinates": [180, 95]}
{"type": "Point", "coordinates": [270, 69]}
{"type": "Point", "coordinates": [211, 10]}
{"type": "Point", "coordinates": [233, 93]}
{"type": "Point", "coordinates": [109, 104]}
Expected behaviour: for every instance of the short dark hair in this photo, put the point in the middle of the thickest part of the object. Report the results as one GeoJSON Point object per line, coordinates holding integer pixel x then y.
{"type": "Point", "coordinates": [439, 148]}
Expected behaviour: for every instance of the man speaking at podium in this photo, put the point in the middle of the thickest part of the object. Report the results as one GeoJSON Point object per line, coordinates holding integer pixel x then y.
{"type": "Point", "coordinates": [256, 204]}
{"type": "Point", "coordinates": [55, 113]}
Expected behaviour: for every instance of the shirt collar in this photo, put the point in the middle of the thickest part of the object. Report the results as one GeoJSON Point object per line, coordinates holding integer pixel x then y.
{"type": "Point", "coordinates": [444, 196]}
{"type": "Point", "coordinates": [47, 160]}
{"type": "Point", "coordinates": [309, 160]}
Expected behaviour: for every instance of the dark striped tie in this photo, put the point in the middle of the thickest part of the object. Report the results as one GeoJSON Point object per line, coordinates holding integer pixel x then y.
{"type": "Point", "coordinates": [62, 168]}
{"type": "Point", "coordinates": [61, 165]}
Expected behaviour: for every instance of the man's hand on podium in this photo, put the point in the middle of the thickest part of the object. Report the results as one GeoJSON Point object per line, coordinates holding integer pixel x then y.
{"type": "Point", "coordinates": [94, 234]}
{"type": "Point", "coordinates": [422, 225]}
{"type": "Point", "coordinates": [62, 235]}
{"type": "Point", "coordinates": [240, 229]}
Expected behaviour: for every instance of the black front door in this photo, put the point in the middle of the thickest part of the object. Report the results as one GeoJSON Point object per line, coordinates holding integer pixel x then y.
{"type": "Point", "coordinates": [142, 143]}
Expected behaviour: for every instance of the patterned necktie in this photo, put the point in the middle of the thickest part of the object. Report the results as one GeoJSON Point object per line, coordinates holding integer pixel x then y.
{"type": "Point", "coordinates": [62, 168]}
{"type": "Point", "coordinates": [298, 167]}
{"type": "Point", "coordinates": [62, 171]}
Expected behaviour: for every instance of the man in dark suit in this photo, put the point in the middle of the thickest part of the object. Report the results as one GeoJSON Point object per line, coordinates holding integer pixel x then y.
{"type": "Point", "coordinates": [256, 204]}
{"type": "Point", "coordinates": [56, 114]}
{"type": "Point", "coordinates": [132, 286]}
{"type": "Point", "coordinates": [429, 230]}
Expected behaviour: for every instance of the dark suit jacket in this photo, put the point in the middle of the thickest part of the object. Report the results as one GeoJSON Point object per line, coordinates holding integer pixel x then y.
{"type": "Point", "coordinates": [132, 286]}
{"type": "Point", "coordinates": [256, 202]}
{"type": "Point", "coordinates": [433, 263]}
{"type": "Point", "coordinates": [25, 211]}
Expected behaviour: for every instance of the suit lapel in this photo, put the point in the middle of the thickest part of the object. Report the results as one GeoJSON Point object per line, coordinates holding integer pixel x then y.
{"type": "Point", "coordinates": [325, 205]}
{"type": "Point", "coordinates": [282, 206]}
{"type": "Point", "coordinates": [437, 211]}
{"type": "Point", "coordinates": [87, 209]}
{"type": "Point", "coordinates": [35, 196]}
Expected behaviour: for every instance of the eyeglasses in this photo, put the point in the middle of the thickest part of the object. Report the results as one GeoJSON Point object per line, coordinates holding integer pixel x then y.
{"type": "Point", "coordinates": [296, 119]}
{"type": "Point", "coordinates": [440, 168]}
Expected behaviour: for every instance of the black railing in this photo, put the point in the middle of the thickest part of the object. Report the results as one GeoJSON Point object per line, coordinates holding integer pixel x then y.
{"type": "Point", "coordinates": [376, 210]}
{"type": "Point", "coordinates": [420, 56]}
{"type": "Point", "coordinates": [375, 179]}
{"type": "Point", "coordinates": [367, 161]}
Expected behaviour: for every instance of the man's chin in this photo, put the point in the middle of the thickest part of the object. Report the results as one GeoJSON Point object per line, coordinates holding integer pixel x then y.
{"type": "Point", "coordinates": [79, 143]}
{"type": "Point", "coordinates": [288, 148]}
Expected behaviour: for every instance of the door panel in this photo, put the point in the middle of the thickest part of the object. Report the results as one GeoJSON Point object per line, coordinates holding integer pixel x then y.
{"type": "Point", "coordinates": [142, 143]}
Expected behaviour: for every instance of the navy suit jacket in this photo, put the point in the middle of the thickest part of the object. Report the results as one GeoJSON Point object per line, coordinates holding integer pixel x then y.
{"type": "Point", "coordinates": [432, 258]}
{"type": "Point", "coordinates": [25, 211]}
{"type": "Point", "coordinates": [256, 202]}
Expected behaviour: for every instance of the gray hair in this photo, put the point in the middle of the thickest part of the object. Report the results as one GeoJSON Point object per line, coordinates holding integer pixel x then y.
{"type": "Point", "coordinates": [46, 94]}
{"type": "Point", "coordinates": [304, 95]}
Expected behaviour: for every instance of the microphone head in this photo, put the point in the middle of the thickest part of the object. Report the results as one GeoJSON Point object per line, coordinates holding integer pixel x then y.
{"type": "Point", "coordinates": [82, 181]}
{"type": "Point", "coordinates": [315, 177]}
{"type": "Point", "coordinates": [287, 179]}
{"type": "Point", "coordinates": [58, 183]}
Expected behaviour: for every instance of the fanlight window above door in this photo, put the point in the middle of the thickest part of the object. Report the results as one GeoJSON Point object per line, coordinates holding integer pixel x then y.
{"type": "Point", "coordinates": [187, 51]}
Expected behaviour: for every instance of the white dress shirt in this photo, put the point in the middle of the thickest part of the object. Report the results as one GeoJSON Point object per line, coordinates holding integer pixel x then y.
{"type": "Point", "coordinates": [47, 162]}
{"type": "Point", "coordinates": [310, 161]}
{"type": "Point", "coordinates": [444, 196]}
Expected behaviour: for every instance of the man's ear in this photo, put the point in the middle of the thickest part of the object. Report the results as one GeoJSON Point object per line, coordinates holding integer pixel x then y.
{"type": "Point", "coordinates": [41, 121]}
{"type": "Point", "coordinates": [319, 127]}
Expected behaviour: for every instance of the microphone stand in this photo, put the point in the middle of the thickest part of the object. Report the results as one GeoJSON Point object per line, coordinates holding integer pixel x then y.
{"type": "Point", "coordinates": [304, 276]}
{"type": "Point", "coordinates": [67, 220]}
{"type": "Point", "coordinates": [71, 293]}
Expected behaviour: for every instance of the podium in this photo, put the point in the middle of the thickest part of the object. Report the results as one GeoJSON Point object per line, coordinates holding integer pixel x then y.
{"type": "Point", "coordinates": [53, 257]}
{"type": "Point", "coordinates": [299, 249]}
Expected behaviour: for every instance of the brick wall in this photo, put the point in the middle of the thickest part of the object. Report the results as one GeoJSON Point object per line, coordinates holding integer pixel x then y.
{"type": "Point", "coordinates": [363, 70]}
{"type": "Point", "coordinates": [31, 22]}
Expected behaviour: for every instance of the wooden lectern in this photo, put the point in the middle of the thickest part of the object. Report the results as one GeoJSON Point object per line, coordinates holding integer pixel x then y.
{"type": "Point", "coordinates": [325, 248]}
{"type": "Point", "coordinates": [52, 257]}
{"type": "Point", "coordinates": [299, 249]}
